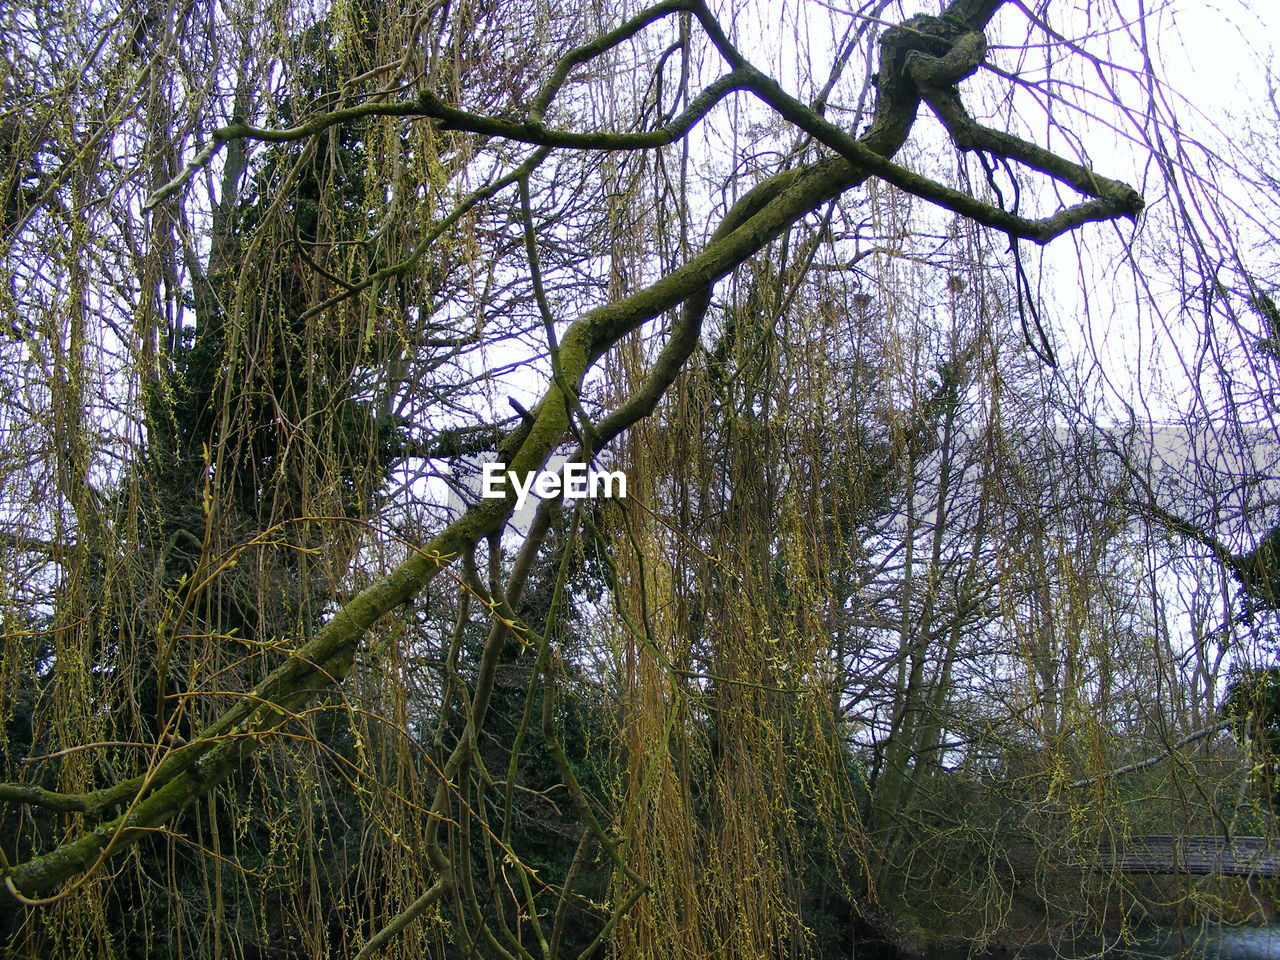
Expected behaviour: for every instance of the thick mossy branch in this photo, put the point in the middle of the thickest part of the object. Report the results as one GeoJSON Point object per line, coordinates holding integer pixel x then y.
{"type": "Point", "coordinates": [967, 134]}
{"type": "Point", "coordinates": [1112, 198]}
{"type": "Point", "coordinates": [40, 797]}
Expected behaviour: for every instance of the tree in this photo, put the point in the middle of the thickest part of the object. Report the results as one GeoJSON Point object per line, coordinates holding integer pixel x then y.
{"type": "Point", "coordinates": [264, 272]}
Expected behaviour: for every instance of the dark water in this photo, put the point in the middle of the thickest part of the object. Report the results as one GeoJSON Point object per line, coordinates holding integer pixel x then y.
{"type": "Point", "coordinates": [1208, 942]}
{"type": "Point", "coordinates": [1154, 943]}
{"type": "Point", "coordinates": [1200, 943]}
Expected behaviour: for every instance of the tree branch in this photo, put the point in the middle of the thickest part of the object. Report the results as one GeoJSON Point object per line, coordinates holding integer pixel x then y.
{"type": "Point", "coordinates": [1152, 760]}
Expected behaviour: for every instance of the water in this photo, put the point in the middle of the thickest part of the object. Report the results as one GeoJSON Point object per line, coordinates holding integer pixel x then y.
{"type": "Point", "coordinates": [1203, 943]}
{"type": "Point", "coordinates": [1210, 942]}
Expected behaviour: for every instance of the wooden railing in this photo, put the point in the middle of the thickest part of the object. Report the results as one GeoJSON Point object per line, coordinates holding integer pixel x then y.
{"type": "Point", "coordinates": [1198, 856]}
{"type": "Point", "coordinates": [1201, 856]}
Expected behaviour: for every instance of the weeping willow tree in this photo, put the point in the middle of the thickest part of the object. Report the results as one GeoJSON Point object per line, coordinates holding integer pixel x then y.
{"type": "Point", "coordinates": [884, 608]}
{"type": "Point", "coordinates": [900, 636]}
{"type": "Point", "coordinates": [209, 441]}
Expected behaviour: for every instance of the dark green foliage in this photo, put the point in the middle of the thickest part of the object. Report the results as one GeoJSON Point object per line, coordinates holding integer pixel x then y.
{"type": "Point", "coordinates": [1259, 571]}
{"type": "Point", "coordinates": [1253, 702]}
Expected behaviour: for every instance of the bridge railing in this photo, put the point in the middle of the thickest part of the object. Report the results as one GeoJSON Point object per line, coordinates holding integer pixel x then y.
{"type": "Point", "coordinates": [1198, 856]}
